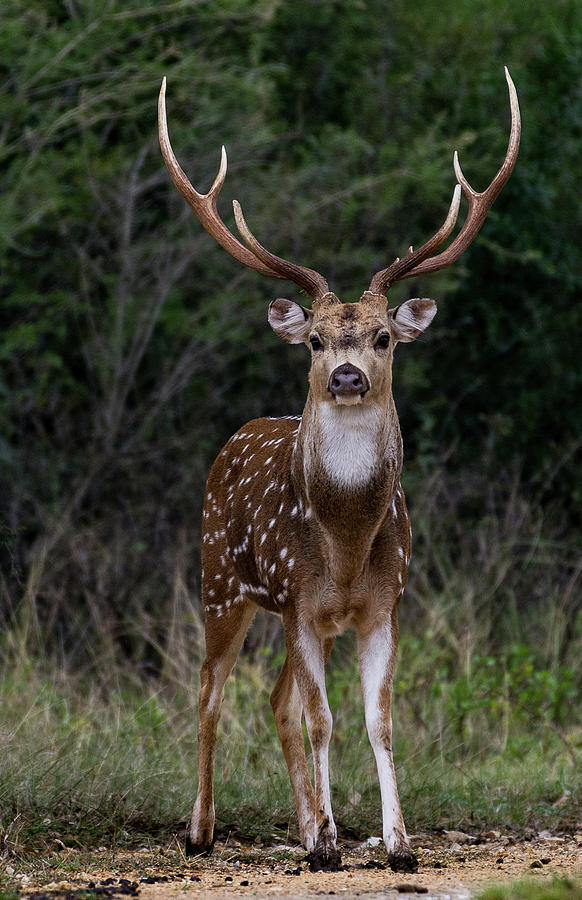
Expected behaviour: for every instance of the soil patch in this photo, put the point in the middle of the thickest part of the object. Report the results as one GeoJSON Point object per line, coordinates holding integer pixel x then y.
{"type": "Point", "coordinates": [453, 865]}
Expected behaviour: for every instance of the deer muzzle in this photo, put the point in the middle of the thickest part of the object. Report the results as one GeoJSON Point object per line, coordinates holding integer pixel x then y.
{"type": "Point", "coordinates": [347, 381]}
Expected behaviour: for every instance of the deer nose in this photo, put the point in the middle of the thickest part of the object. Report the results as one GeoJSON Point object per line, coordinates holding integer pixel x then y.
{"type": "Point", "coordinates": [347, 379]}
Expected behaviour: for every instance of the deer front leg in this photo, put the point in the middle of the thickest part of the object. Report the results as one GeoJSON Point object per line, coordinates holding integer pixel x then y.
{"type": "Point", "coordinates": [307, 655]}
{"type": "Point", "coordinates": [377, 654]}
{"type": "Point", "coordinates": [225, 634]}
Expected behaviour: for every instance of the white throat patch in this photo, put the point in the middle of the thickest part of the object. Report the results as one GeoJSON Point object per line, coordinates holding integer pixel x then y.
{"type": "Point", "coordinates": [350, 441]}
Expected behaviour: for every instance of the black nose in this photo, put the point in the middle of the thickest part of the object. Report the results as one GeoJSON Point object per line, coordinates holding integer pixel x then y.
{"type": "Point", "coordinates": [346, 379]}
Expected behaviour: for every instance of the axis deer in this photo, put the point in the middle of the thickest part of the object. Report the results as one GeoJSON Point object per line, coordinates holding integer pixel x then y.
{"type": "Point", "coordinates": [306, 517]}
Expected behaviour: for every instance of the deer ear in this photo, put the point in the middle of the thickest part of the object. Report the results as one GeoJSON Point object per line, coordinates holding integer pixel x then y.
{"type": "Point", "coordinates": [412, 318]}
{"type": "Point", "coordinates": [290, 321]}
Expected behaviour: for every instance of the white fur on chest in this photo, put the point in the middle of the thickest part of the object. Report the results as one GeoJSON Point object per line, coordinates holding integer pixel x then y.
{"type": "Point", "coordinates": [349, 442]}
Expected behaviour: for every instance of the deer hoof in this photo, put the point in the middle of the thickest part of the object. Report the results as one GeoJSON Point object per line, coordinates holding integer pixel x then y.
{"type": "Point", "coordinates": [403, 860]}
{"type": "Point", "coordinates": [192, 849]}
{"type": "Point", "coordinates": [324, 860]}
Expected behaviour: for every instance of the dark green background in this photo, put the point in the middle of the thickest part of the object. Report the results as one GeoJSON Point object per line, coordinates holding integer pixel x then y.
{"type": "Point", "coordinates": [131, 346]}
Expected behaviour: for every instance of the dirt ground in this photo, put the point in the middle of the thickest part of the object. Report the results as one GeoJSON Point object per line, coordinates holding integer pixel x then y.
{"type": "Point", "coordinates": [451, 865]}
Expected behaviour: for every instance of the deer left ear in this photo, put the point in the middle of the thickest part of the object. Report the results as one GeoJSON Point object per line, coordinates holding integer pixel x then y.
{"type": "Point", "coordinates": [412, 318]}
{"type": "Point", "coordinates": [290, 321]}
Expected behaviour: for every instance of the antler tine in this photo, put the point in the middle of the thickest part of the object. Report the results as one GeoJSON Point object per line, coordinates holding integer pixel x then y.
{"type": "Point", "coordinates": [204, 205]}
{"type": "Point", "coordinates": [400, 267]}
{"type": "Point", "coordinates": [479, 203]}
{"type": "Point", "coordinates": [479, 206]}
{"type": "Point", "coordinates": [311, 282]}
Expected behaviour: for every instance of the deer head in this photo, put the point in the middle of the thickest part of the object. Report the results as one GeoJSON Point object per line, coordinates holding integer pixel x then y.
{"type": "Point", "coordinates": [351, 343]}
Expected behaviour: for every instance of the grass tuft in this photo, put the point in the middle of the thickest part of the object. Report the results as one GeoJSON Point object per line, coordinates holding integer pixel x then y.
{"type": "Point", "coordinates": [560, 889]}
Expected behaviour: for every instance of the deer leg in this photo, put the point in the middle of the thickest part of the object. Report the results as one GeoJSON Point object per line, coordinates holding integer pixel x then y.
{"type": "Point", "coordinates": [377, 654]}
{"type": "Point", "coordinates": [288, 712]}
{"type": "Point", "coordinates": [225, 634]}
{"type": "Point", "coordinates": [307, 655]}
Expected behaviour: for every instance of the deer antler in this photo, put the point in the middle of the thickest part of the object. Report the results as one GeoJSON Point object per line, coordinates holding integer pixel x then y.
{"type": "Point", "coordinates": [420, 261]}
{"type": "Point", "coordinates": [311, 282]}
{"type": "Point", "coordinates": [204, 206]}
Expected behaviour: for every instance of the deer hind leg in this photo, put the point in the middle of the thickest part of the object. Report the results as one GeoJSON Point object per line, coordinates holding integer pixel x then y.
{"type": "Point", "coordinates": [226, 627]}
{"type": "Point", "coordinates": [288, 711]}
{"type": "Point", "coordinates": [377, 653]}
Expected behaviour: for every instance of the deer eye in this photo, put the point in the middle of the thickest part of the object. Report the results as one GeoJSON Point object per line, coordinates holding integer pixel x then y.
{"type": "Point", "coordinates": [383, 341]}
{"type": "Point", "coordinates": [315, 342]}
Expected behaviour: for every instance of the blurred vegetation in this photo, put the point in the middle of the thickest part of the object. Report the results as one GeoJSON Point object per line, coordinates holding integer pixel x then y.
{"type": "Point", "coordinates": [131, 346]}
{"type": "Point", "coordinates": [558, 889]}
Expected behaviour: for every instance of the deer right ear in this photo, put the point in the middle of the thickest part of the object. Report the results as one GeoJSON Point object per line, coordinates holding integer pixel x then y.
{"type": "Point", "coordinates": [290, 321]}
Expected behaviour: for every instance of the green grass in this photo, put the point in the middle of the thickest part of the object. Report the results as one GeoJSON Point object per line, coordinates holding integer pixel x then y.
{"type": "Point", "coordinates": [561, 889]}
{"type": "Point", "coordinates": [487, 710]}
{"type": "Point", "coordinates": [87, 767]}
{"type": "Point", "coordinates": [9, 894]}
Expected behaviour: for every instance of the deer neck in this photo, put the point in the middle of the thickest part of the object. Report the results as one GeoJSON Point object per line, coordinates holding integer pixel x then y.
{"type": "Point", "coordinates": [346, 467]}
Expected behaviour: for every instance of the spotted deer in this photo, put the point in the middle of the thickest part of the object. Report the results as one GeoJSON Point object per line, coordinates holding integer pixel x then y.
{"type": "Point", "coordinates": [305, 516]}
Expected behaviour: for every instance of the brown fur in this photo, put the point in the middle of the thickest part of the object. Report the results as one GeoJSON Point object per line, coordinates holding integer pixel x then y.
{"type": "Point", "coordinates": [281, 531]}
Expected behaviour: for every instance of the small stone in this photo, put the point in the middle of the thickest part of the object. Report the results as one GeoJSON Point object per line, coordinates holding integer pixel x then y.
{"type": "Point", "coordinates": [458, 837]}
{"type": "Point", "coordinates": [536, 864]}
{"type": "Point", "coordinates": [373, 842]}
{"type": "Point", "coordinates": [9, 871]}
{"type": "Point", "coordinates": [546, 835]}
{"type": "Point", "coordinates": [410, 888]}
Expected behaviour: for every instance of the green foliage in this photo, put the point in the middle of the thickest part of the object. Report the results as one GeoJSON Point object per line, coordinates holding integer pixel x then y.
{"type": "Point", "coordinates": [132, 346]}
{"type": "Point", "coordinates": [559, 889]}
{"type": "Point", "coordinates": [9, 894]}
